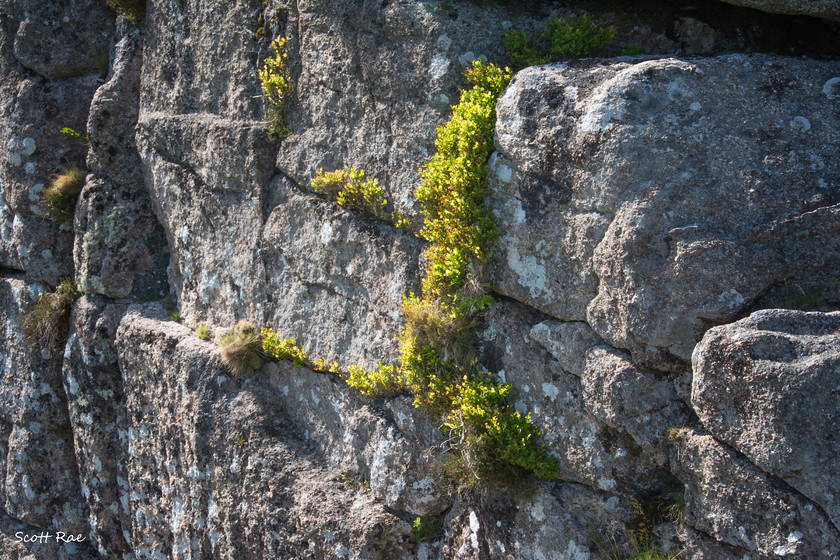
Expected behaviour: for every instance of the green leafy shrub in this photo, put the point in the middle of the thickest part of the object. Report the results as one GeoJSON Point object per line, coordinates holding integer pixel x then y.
{"type": "Point", "coordinates": [381, 382]}
{"type": "Point", "coordinates": [437, 343]}
{"type": "Point", "coordinates": [83, 138]}
{"type": "Point", "coordinates": [279, 349]}
{"type": "Point", "coordinates": [277, 87]}
{"type": "Point", "coordinates": [496, 430]}
{"type": "Point", "coordinates": [242, 349]}
{"type": "Point", "coordinates": [572, 37]}
{"type": "Point", "coordinates": [575, 37]}
{"type": "Point", "coordinates": [349, 188]}
{"type": "Point", "coordinates": [522, 51]}
{"type": "Point", "coordinates": [132, 10]}
{"type": "Point", "coordinates": [437, 354]}
{"type": "Point", "coordinates": [45, 324]}
{"type": "Point", "coordinates": [457, 223]}
{"type": "Point", "coordinates": [62, 193]}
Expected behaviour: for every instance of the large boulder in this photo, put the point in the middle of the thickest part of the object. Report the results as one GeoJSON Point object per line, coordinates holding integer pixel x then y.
{"type": "Point", "coordinates": [235, 474]}
{"type": "Point", "coordinates": [651, 198]}
{"type": "Point", "coordinates": [61, 39]}
{"type": "Point", "coordinates": [829, 9]}
{"type": "Point", "coordinates": [768, 386]}
{"type": "Point", "coordinates": [730, 499]}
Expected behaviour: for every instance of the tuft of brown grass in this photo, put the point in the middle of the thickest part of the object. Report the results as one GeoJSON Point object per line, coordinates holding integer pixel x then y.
{"type": "Point", "coordinates": [449, 332]}
{"type": "Point", "coordinates": [63, 192]}
{"type": "Point", "coordinates": [45, 324]}
{"type": "Point", "coordinates": [241, 349]}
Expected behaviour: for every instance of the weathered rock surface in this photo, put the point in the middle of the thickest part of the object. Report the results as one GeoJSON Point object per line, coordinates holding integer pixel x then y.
{"type": "Point", "coordinates": [590, 451]}
{"type": "Point", "coordinates": [610, 177]}
{"type": "Point", "coordinates": [768, 386]}
{"type": "Point", "coordinates": [373, 81]}
{"type": "Point", "coordinates": [625, 396]}
{"type": "Point", "coordinates": [226, 468]}
{"type": "Point", "coordinates": [829, 9]}
{"type": "Point", "coordinates": [335, 282]}
{"type": "Point", "coordinates": [640, 203]}
{"type": "Point", "coordinates": [93, 385]}
{"type": "Point", "coordinates": [113, 114]}
{"type": "Point", "coordinates": [37, 247]}
{"type": "Point", "coordinates": [729, 498]}
{"type": "Point", "coordinates": [123, 251]}
{"type": "Point", "coordinates": [359, 439]}
{"type": "Point", "coordinates": [498, 525]}
{"type": "Point", "coordinates": [62, 39]}
{"type": "Point", "coordinates": [40, 481]}
{"type": "Point", "coordinates": [199, 167]}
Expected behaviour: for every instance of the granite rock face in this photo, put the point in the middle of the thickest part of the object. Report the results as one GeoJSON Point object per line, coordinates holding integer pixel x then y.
{"type": "Point", "coordinates": [228, 468]}
{"type": "Point", "coordinates": [828, 9]}
{"type": "Point", "coordinates": [641, 201]}
{"type": "Point", "coordinates": [335, 282]}
{"type": "Point", "coordinates": [40, 481]}
{"type": "Point", "coordinates": [768, 387]}
{"type": "Point", "coordinates": [728, 498]}
{"type": "Point", "coordinates": [610, 178]}
{"type": "Point", "coordinates": [94, 389]}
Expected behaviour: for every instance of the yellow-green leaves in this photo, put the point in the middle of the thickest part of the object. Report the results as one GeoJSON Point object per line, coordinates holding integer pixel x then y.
{"type": "Point", "coordinates": [454, 184]}
{"type": "Point", "coordinates": [277, 88]}
{"type": "Point", "coordinates": [348, 187]}
{"type": "Point", "coordinates": [286, 349]}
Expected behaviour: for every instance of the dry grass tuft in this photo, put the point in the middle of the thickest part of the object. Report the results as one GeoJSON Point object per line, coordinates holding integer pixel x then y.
{"type": "Point", "coordinates": [241, 349]}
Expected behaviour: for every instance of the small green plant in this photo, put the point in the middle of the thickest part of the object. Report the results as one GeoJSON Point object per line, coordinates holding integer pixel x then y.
{"type": "Point", "coordinates": [62, 193]}
{"type": "Point", "coordinates": [349, 188]}
{"type": "Point", "coordinates": [572, 37]}
{"type": "Point", "coordinates": [522, 51]}
{"type": "Point", "coordinates": [322, 366]}
{"type": "Point", "coordinates": [45, 324]}
{"type": "Point", "coordinates": [793, 296]}
{"type": "Point", "coordinates": [175, 316]}
{"type": "Point", "coordinates": [83, 138]}
{"type": "Point", "coordinates": [132, 10]}
{"type": "Point", "coordinates": [426, 530]}
{"type": "Point", "coordinates": [401, 222]}
{"type": "Point", "coordinates": [282, 349]}
{"type": "Point", "coordinates": [381, 382]}
{"type": "Point", "coordinates": [354, 483]}
{"type": "Point", "coordinates": [575, 37]}
{"type": "Point", "coordinates": [632, 50]}
{"type": "Point", "coordinates": [202, 332]}
{"type": "Point", "coordinates": [241, 349]}
{"type": "Point", "coordinates": [277, 87]}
